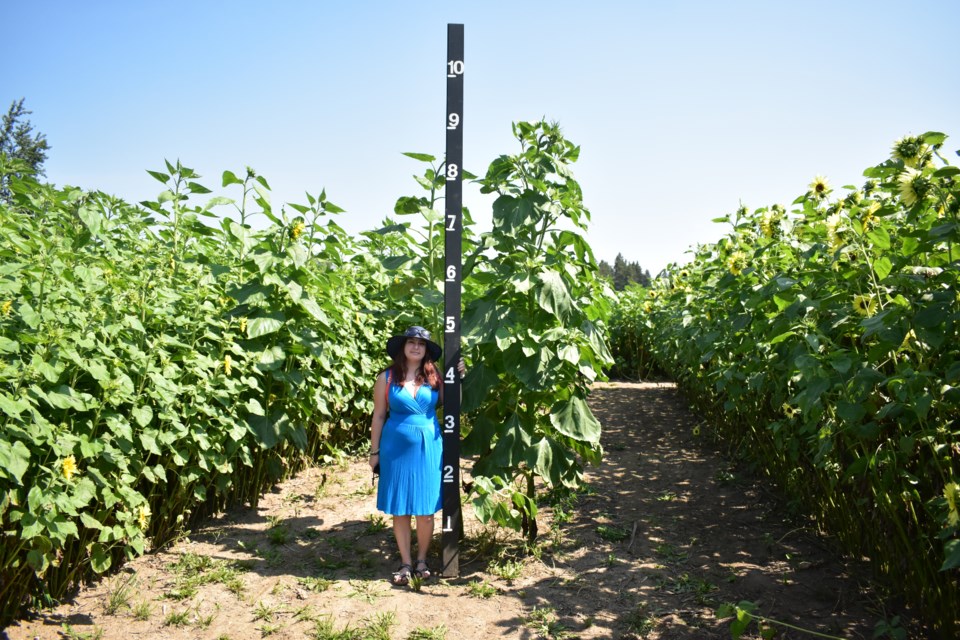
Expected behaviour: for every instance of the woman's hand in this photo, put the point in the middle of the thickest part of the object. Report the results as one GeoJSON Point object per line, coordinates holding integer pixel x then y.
{"type": "Point", "coordinates": [374, 460]}
{"type": "Point", "coordinates": [462, 368]}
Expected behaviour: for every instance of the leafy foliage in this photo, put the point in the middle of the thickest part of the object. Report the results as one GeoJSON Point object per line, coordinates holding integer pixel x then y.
{"type": "Point", "coordinates": [824, 342]}
{"type": "Point", "coordinates": [162, 361]}
{"type": "Point", "coordinates": [535, 331]}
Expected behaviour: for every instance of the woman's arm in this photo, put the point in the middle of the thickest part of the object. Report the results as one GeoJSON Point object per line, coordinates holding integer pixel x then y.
{"type": "Point", "coordinates": [378, 418]}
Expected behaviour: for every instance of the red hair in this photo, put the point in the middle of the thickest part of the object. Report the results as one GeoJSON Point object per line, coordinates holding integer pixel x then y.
{"type": "Point", "coordinates": [427, 372]}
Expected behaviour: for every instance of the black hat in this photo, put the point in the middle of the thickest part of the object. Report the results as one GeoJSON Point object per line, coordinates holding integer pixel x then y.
{"type": "Point", "coordinates": [395, 344]}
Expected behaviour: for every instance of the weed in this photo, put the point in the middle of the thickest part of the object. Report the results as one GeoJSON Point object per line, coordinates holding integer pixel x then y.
{"type": "Point", "coordinates": [204, 622]}
{"type": "Point", "coordinates": [315, 583]}
{"type": "Point", "coordinates": [482, 590]}
{"type": "Point", "coordinates": [611, 560]}
{"type": "Point", "coordinates": [267, 629]}
{"type": "Point", "coordinates": [68, 632]}
{"type": "Point", "coordinates": [640, 621]}
{"type": "Point", "coordinates": [304, 613]}
{"type": "Point", "coordinates": [367, 591]}
{"type": "Point", "coordinates": [506, 569]}
{"type": "Point", "coordinates": [277, 531]}
{"type": "Point", "coordinates": [416, 583]}
{"type": "Point", "coordinates": [666, 496]}
{"type": "Point", "coordinates": [376, 525]}
{"type": "Point", "coordinates": [669, 552]}
{"type": "Point", "coordinates": [119, 596]}
{"type": "Point", "coordinates": [177, 618]}
{"type": "Point", "coordinates": [543, 621]}
{"type": "Point", "coordinates": [435, 633]}
{"type": "Point", "coordinates": [142, 611]}
{"type": "Point", "coordinates": [612, 533]}
{"type": "Point", "coordinates": [377, 627]}
{"type": "Point", "coordinates": [263, 612]}
{"type": "Point", "coordinates": [744, 613]}
{"type": "Point", "coordinates": [193, 571]}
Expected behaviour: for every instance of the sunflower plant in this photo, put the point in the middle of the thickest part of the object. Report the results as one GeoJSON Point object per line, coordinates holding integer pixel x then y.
{"type": "Point", "coordinates": [824, 341]}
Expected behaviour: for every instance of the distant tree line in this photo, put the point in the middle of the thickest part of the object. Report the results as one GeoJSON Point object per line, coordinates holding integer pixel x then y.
{"type": "Point", "coordinates": [623, 273]}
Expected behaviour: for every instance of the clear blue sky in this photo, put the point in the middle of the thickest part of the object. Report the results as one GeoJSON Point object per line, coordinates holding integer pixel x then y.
{"type": "Point", "coordinates": [682, 109]}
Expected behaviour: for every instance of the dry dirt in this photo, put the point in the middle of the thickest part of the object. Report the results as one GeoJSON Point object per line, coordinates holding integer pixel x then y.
{"type": "Point", "coordinates": [311, 561]}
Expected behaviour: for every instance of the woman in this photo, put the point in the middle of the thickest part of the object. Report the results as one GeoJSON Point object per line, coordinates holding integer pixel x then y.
{"type": "Point", "coordinates": [408, 445]}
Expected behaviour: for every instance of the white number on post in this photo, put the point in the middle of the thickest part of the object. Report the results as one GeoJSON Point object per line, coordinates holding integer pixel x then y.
{"type": "Point", "coordinates": [448, 424]}
{"type": "Point", "coordinates": [452, 171]}
{"type": "Point", "coordinates": [451, 324]}
{"type": "Point", "coordinates": [454, 68]}
{"type": "Point", "coordinates": [451, 273]}
{"type": "Point", "coordinates": [448, 473]}
{"type": "Point", "coordinates": [450, 377]}
{"type": "Point", "coordinates": [453, 121]}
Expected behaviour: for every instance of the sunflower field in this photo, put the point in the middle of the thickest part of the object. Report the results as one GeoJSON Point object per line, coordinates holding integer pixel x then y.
{"type": "Point", "coordinates": [162, 361]}
{"type": "Point", "coordinates": [821, 341]}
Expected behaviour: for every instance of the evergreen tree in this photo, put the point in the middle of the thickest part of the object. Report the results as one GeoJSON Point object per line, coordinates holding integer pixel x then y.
{"type": "Point", "coordinates": [19, 142]}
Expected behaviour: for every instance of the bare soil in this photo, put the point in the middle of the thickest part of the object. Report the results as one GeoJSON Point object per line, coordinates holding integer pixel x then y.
{"type": "Point", "coordinates": [666, 531]}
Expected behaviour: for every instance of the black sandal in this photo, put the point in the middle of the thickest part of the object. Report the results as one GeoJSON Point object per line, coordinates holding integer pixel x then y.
{"type": "Point", "coordinates": [424, 573]}
{"type": "Point", "coordinates": [401, 577]}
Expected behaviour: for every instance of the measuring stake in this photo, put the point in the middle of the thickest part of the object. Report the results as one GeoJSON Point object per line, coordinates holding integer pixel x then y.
{"type": "Point", "coordinates": [452, 525]}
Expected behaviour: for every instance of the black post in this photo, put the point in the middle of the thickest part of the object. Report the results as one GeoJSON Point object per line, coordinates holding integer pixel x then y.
{"type": "Point", "coordinates": [452, 524]}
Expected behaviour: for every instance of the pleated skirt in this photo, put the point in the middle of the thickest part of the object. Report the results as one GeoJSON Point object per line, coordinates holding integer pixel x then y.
{"type": "Point", "coordinates": [411, 457]}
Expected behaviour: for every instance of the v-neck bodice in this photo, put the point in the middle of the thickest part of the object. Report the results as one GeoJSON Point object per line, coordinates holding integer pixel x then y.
{"type": "Point", "coordinates": [405, 401]}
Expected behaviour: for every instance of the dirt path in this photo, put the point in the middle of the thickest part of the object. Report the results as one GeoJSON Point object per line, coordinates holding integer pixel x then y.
{"type": "Point", "coordinates": [666, 531]}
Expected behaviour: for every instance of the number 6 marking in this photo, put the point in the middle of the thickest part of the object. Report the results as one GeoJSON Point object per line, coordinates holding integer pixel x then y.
{"type": "Point", "coordinates": [451, 273]}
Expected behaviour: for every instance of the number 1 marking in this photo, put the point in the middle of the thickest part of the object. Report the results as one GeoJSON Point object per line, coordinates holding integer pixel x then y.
{"type": "Point", "coordinates": [449, 524]}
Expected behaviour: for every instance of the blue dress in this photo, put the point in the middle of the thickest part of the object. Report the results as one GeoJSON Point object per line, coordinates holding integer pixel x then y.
{"type": "Point", "coordinates": [411, 454]}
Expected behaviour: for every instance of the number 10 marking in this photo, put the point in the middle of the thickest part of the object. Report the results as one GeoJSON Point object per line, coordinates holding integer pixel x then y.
{"type": "Point", "coordinates": [454, 68]}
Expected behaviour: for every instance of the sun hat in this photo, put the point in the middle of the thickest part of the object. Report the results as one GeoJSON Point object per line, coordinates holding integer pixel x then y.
{"type": "Point", "coordinates": [395, 343]}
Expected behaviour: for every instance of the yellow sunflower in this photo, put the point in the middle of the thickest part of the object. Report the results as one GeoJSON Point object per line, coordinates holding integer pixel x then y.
{"type": "Point", "coordinates": [869, 217]}
{"type": "Point", "coordinates": [768, 222]}
{"type": "Point", "coordinates": [68, 467]}
{"type": "Point", "coordinates": [820, 187]}
{"type": "Point", "coordinates": [5, 310]}
{"type": "Point", "coordinates": [909, 149]}
{"type": "Point", "coordinates": [143, 516]}
{"type": "Point", "coordinates": [227, 364]}
{"type": "Point", "coordinates": [912, 186]}
{"type": "Point", "coordinates": [737, 262]}
{"type": "Point", "coordinates": [865, 305]}
{"type": "Point", "coordinates": [833, 237]}
{"type": "Point", "coordinates": [296, 229]}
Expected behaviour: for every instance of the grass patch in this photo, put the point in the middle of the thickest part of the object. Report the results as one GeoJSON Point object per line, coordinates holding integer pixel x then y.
{"type": "Point", "coordinates": [481, 589]}
{"type": "Point", "coordinates": [611, 533]}
{"type": "Point", "coordinates": [544, 622]}
{"type": "Point", "coordinates": [193, 571]}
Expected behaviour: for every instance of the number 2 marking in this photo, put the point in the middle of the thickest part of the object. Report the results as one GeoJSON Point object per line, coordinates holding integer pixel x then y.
{"type": "Point", "coordinates": [448, 474]}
